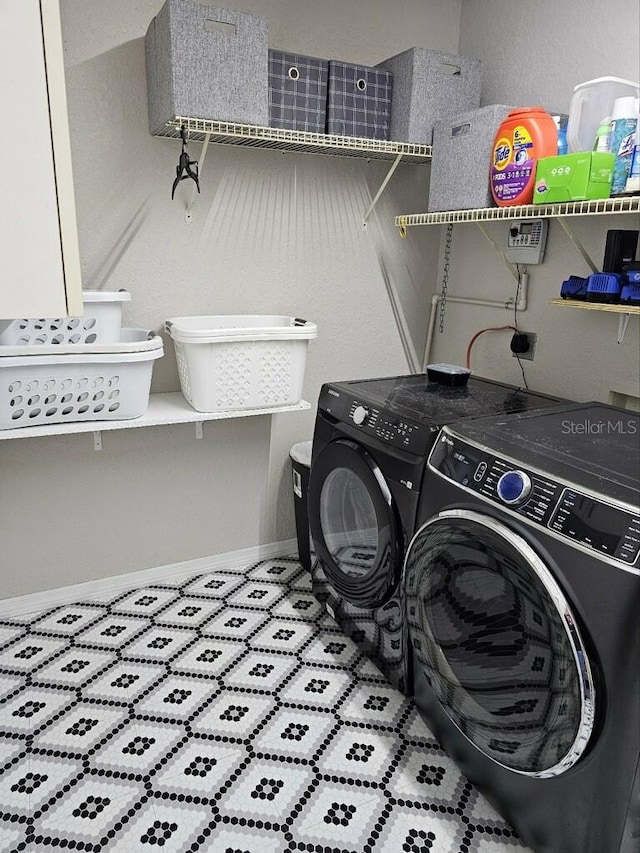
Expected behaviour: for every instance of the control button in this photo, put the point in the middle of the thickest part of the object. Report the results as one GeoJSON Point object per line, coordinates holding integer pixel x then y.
{"type": "Point", "coordinates": [359, 415]}
{"type": "Point", "coordinates": [514, 487]}
{"type": "Point", "coordinates": [480, 472]}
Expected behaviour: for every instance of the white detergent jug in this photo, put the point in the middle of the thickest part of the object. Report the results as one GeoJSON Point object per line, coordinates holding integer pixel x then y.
{"type": "Point", "coordinates": [590, 103]}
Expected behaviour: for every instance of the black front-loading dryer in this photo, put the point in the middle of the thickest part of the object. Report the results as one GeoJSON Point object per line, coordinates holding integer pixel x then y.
{"type": "Point", "coordinates": [370, 446]}
{"type": "Point", "coordinates": [522, 588]}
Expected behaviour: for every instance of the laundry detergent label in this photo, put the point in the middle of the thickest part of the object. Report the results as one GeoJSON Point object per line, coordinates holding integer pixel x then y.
{"type": "Point", "coordinates": [512, 165]}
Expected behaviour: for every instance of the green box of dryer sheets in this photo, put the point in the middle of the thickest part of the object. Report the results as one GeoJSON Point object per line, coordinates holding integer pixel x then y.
{"type": "Point", "coordinates": [573, 177]}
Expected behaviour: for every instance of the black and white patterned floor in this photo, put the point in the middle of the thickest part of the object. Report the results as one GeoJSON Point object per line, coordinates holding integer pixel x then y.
{"type": "Point", "coordinates": [224, 713]}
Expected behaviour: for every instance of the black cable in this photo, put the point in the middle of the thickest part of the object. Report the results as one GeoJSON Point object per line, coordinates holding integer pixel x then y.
{"type": "Point", "coordinates": [515, 322]}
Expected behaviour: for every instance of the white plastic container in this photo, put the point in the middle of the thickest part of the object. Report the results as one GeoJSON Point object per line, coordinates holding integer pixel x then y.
{"type": "Point", "coordinates": [53, 384]}
{"type": "Point", "coordinates": [100, 323]}
{"type": "Point", "coordinates": [235, 362]}
{"type": "Point", "coordinates": [590, 103]}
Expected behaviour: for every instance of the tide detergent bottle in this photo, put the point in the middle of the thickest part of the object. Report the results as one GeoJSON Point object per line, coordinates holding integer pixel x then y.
{"type": "Point", "coordinates": [524, 136]}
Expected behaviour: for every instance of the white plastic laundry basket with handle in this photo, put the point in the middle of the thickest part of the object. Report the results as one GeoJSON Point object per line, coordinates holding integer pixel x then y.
{"type": "Point", "coordinates": [100, 323]}
{"type": "Point", "coordinates": [54, 384]}
{"type": "Point", "coordinates": [241, 361]}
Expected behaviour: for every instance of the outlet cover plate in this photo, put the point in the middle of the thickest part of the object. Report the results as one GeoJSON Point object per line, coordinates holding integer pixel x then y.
{"type": "Point", "coordinates": [528, 356]}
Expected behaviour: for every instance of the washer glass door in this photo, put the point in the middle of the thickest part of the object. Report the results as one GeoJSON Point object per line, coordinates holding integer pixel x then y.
{"type": "Point", "coordinates": [353, 524]}
{"type": "Point", "coordinates": [496, 640]}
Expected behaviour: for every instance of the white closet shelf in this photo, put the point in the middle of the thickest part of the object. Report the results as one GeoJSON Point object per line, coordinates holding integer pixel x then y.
{"type": "Point", "coordinates": [255, 136]}
{"type": "Point", "coordinates": [595, 207]}
{"type": "Point", "coordinates": [165, 408]}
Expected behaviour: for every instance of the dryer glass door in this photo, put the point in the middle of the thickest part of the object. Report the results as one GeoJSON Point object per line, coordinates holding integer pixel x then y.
{"type": "Point", "coordinates": [497, 642]}
{"type": "Point", "coordinates": [353, 524]}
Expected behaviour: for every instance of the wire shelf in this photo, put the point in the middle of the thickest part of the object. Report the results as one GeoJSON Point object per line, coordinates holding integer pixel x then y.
{"type": "Point", "coordinates": [595, 207]}
{"type": "Point", "coordinates": [254, 136]}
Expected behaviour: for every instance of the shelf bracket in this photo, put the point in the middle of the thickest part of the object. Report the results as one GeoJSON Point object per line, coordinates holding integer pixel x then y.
{"type": "Point", "coordinates": [507, 263]}
{"type": "Point", "coordinates": [577, 243]}
{"type": "Point", "coordinates": [199, 429]}
{"type": "Point", "coordinates": [188, 215]}
{"type": "Point", "coordinates": [623, 322]}
{"type": "Point", "coordinates": [97, 440]}
{"type": "Point", "coordinates": [383, 187]}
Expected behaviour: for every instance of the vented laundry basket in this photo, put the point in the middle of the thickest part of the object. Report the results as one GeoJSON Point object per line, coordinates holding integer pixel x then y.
{"type": "Point", "coordinates": [236, 362]}
{"type": "Point", "coordinates": [53, 384]}
{"type": "Point", "coordinates": [100, 323]}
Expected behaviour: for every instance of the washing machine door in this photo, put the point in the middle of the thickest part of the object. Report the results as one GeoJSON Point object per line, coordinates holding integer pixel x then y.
{"type": "Point", "coordinates": [495, 638]}
{"type": "Point", "coordinates": [354, 524]}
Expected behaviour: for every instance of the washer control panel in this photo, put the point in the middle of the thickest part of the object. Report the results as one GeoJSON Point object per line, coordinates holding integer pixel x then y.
{"type": "Point", "coordinates": [575, 515]}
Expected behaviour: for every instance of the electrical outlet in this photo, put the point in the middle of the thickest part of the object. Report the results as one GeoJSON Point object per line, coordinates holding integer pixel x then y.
{"type": "Point", "coordinates": [528, 355]}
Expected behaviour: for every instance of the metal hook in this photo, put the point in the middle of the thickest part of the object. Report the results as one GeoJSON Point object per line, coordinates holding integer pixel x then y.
{"type": "Point", "coordinates": [184, 168]}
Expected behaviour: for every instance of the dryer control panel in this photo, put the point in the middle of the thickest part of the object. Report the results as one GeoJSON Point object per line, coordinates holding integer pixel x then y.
{"type": "Point", "coordinates": [569, 512]}
{"type": "Point", "coordinates": [397, 432]}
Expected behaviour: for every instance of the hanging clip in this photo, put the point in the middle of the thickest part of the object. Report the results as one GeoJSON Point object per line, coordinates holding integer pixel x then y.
{"type": "Point", "coordinates": [183, 169]}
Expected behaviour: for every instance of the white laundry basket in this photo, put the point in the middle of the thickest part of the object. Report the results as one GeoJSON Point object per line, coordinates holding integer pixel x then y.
{"type": "Point", "coordinates": [53, 384]}
{"type": "Point", "coordinates": [100, 323]}
{"type": "Point", "coordinates": [236, 362]}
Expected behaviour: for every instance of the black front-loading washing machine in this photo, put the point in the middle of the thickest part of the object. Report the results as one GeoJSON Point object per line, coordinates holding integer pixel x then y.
{"type": "Point", "coordinates": [371, 442]}
{"type": "Point", "coordinates": [522, 589]}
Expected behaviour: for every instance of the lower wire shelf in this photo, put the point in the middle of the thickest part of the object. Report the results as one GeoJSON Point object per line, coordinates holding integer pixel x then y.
{"type": "Point", "coordinates": [164, 408]}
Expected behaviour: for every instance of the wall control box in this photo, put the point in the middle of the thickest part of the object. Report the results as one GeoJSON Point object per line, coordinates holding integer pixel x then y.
{"type": "Point", "coordinates": [526, 241]}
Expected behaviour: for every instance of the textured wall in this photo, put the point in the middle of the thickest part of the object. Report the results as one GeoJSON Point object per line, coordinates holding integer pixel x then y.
{"type": "Point", "coordinates": [535, 53]}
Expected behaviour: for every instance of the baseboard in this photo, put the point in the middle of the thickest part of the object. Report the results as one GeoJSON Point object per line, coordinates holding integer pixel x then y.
{"type": "Point", "coordinates": [109, 587]}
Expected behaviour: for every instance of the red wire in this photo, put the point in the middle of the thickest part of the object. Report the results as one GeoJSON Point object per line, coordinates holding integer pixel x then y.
{"type": "Point", "coordinates": [481, 332]}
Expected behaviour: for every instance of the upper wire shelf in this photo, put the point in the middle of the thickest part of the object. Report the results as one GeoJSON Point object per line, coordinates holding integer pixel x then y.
{"type": "Point", "coordinates": [254, 136]}
{"type": "Point", "coordinates": [622, 204]}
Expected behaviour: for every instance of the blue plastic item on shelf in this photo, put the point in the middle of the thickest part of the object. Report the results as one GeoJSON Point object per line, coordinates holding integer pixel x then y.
{"type": "Point", "coordinates": [604, 287]}
{"type": "Point", "coordinates": [574, 287]}
{"type": "Point", "coordinates": [630, 293]}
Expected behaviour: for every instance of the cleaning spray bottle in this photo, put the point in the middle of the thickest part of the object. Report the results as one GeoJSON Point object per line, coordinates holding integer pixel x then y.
{"type": "Point", "coordinates": [603, 136]}
{"type": "Point", "coordinates": [632, 186]}
{"type": "Point", "coordinates": [624, 122]}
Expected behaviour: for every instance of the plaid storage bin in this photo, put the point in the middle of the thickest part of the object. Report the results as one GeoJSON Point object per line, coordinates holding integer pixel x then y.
{"type": "Point", "coordinates": [297, 91]}
{"type": "Point", "coordinates": [358, 100]}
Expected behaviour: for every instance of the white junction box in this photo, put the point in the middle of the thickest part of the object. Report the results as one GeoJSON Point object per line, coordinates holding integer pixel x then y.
{"type": "Point", "coordinates": [229, 363]}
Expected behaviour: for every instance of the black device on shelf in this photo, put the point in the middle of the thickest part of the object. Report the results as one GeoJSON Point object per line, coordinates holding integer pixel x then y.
{"type": "Point", "coordinates": [620, 249]}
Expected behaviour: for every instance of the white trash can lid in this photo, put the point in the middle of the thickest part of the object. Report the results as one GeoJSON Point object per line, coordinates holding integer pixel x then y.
{"type": "Point", "coordinates": [301, 453]}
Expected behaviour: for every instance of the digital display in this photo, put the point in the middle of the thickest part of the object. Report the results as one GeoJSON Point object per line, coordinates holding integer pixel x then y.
{"type": "Point", "coordinates": [458, 466]}
{"type": "Point", "coordinates": [592, 523]}
{"type": "Point", "coordinates": [526, 228]}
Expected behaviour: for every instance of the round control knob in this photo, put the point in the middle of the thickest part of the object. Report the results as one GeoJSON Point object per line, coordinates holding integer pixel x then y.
{"type": "Point", "coordinates": [359, 415]}
{"type": "Point", "coordinates": [514, 487]}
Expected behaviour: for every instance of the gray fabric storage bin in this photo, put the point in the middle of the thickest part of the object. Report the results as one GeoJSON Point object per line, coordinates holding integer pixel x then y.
{"type": "Point", "coordinates": [297, 91]}
{"type": "Point", "coordinates": [206, 63]}
{"type": "Point", "coordinates": [429, 85]}
{"type": "Point", "coordinates": [358, 100]}
{"type": "Point", "coordinates": [461, 160]}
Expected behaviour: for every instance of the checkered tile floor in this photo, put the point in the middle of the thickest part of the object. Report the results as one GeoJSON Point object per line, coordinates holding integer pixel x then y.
{"type": "Point", "coordinates": [225, 713]}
